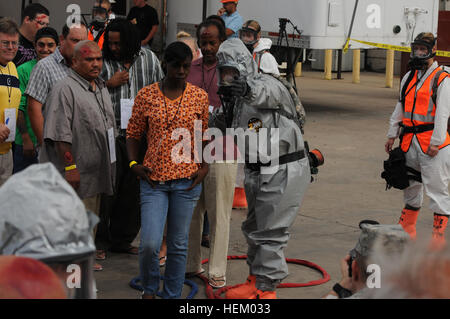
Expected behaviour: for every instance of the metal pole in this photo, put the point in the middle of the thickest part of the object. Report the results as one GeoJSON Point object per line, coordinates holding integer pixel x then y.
{"type": "Point", "coordinates": [205, 9]}
{"type": "Point", "coordinates": [164, 25]}
{"type": "Point", "coordinates": [23, 9]}
{"type": "Point", "coordinates": [356, 66]}
{"type": "Point", "coordinates": [351, 23]}
{"type": "Point", "coordinates": [339, 70]}
{"type": "Point", "coordinates": [366, 64]}
{"type": "Point", "coordinates": [390, 68]}
{"type": "Point", "coordinates": [328, 64]}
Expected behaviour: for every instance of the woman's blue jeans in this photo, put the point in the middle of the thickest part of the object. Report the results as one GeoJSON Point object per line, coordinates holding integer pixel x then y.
{"type": "Point", "coordinates": [168, 200]}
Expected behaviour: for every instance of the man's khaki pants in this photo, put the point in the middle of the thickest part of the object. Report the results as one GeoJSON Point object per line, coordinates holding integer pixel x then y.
{"type": "Point", "coordinates": [217, 199]}
{"type": "Point", "coordinates": [6, 167]}
{"type": "Point", "coordinates": [93, 204]}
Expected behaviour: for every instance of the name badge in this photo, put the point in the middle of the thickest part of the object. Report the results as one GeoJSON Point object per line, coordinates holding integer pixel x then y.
{"type": "Point", "coordinates": [211, 109]}
{"type": "Point", "coordinates": [10, 122]}
{"type": "Point", "coordinates": [126, 108]}
{"type": "Point", "coordinates": [112, 145]}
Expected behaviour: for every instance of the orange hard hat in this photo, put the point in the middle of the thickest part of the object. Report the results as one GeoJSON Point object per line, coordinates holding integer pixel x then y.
{"type": "Point", "coordinates": [226, 1]}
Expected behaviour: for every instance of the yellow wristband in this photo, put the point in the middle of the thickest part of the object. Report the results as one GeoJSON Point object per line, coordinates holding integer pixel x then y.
{"type": "Point", "coordinates": [132, 163]}
{"type": "Point", "coordinates": [71, 168]}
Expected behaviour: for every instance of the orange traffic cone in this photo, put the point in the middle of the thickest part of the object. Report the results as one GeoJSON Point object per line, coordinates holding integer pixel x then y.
{"type": "Point", "coordinates": [408, 221]}
{"type": "Point", "coordinates": [240, 201]}
{"type": "Point", "coordinates": [439, 226]}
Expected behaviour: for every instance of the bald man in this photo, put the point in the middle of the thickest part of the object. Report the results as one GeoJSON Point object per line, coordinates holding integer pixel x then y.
{"type": "Point", "coordinates": [79, 128]}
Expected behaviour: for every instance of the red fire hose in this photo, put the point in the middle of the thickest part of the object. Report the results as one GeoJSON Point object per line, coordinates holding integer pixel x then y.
{"type": "Point", "coordinates": [217, 295]}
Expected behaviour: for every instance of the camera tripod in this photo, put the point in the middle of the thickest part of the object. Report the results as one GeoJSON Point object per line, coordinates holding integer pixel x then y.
{"type": "Point", "coordinates": [292, 54]}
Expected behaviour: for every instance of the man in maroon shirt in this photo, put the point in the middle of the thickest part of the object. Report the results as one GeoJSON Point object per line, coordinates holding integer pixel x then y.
{"type": "Point", "coordinates": [218, 186]}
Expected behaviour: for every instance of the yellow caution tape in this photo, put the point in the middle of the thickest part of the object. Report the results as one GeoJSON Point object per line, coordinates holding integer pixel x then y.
{"type": "Point", "coordinates": [393, 47]}
{"type": "Point", "coordinates": [346, 45]}
{"type": "Point", "coordinates": [443, 53]}
{"type": "Point", "coordinates": [385, 46]}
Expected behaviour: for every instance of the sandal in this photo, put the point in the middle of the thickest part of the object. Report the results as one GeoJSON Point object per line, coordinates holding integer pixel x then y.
{"type": "Point", "coordinates": [98, 267]}
{"type": "Point", "coordinates": [217, 282]}
{"type": "Point", "coordinates": [146, 296]}
{"type": "Point", "coordinates": [100, 254]}
{"type": "Point", "coordinates": [194, 273]}
{"type": "Point", "coordinates": [162, 261]}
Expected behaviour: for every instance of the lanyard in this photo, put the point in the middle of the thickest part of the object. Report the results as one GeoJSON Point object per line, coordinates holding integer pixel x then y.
{"type": "Point", "coordinates": [165, 106]}
{"type": "Point", "coordinates": [167, 114]}
{"type": "Point", "coordinates": [9, 88]}
{"type": "Point", "coordinates": [101, 106]}
{"type": "Point", "coordinates": [109, 130]}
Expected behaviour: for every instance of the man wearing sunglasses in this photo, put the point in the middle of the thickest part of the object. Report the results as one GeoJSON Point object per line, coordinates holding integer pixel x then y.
{"type": "Point", "coordinates": [35, 17]}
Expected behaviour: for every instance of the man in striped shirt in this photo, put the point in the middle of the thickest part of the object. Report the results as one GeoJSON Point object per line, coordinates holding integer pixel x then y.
{"type": "Point", "coordinates": [48, 72]}
{"type": "Point", "coordinates": [127, 68]}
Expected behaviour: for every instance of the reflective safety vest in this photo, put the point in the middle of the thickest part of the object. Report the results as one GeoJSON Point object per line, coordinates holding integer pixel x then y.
{"type": "Point", "coordinates": [419, 111]}
{"type": "Point", "coordinates": [100, 39]}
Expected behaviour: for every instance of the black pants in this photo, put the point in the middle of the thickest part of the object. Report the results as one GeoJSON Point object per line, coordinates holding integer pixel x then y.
{"type": "Point", "coordinates": [120, 214]}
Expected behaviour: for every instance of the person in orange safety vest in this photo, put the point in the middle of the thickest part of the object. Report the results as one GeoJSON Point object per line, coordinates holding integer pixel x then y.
{"type": "Point", "coordinates": [420, 119]}
{"type": "Point", "coordinates": [100, 18]}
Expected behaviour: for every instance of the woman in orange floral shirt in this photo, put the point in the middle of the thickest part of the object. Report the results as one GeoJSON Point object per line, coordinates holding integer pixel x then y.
{"type": "Point", "coordinates": [171, 113]}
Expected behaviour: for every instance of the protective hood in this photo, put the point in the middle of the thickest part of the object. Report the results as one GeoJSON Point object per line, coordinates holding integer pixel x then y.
{"type": "Point", "coordinates": [233, 53]}
{"type": "Point", "coordinates": [263, 44]}
{"type": "Point", "coordinates": [42, 217]}
{"type": "Point", "coordinates": [419, 60]}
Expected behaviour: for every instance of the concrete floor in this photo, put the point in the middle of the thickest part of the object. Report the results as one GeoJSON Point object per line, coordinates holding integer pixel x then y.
{"type": "Point", "coordinates": [348, 123]}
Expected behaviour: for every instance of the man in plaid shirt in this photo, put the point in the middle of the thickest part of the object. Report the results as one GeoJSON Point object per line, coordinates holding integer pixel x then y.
{"type": "Point", "coordinates": [48, 72]}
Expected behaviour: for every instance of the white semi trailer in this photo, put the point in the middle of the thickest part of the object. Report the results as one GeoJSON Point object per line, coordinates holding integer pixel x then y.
{"type": "Point", "coordinates": [323, 24]}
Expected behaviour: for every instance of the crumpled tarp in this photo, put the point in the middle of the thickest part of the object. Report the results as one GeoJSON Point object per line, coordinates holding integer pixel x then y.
{"type": "Point", "coordinates": [42, 217]}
